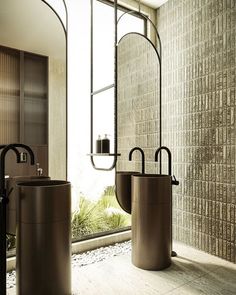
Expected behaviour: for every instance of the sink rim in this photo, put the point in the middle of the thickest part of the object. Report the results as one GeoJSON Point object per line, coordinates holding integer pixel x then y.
{"type": "Point", "coordinates": [43, 183]}
{"type": "Point", "coordinates": [29, 177]}
{"type": "Point", "coordinates": [127, 172]}
{"type": "Point", "coordinates": [141, 175]}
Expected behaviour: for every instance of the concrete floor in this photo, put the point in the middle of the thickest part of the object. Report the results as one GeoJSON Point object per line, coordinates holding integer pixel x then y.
{"type": "Point", "coordinates": [192, 272]}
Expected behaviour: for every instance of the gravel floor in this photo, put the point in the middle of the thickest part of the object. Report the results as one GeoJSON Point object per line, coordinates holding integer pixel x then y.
{"type": "Point", "coordinates": [80, 260]}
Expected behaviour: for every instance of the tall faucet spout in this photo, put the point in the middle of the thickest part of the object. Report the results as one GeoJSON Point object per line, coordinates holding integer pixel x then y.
{"type": "Point", "coordinates": [169, 156]}
{"type": "Point", "coordinates": [142, 155]}
{"type": "Point", "coordinates": [2, 146]}
{"type": "Point", "coordinates": [13, 147]}
{"type": "Point", "coordinates": [3, 204]}
{"type": "Point", "coordinates": [29, 150]}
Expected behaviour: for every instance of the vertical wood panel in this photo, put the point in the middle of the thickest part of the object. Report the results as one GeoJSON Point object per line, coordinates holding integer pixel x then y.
{"type": "Point", "coordinates": [23, 106]}
{"type": "Point", "coordinates": [9, 96]}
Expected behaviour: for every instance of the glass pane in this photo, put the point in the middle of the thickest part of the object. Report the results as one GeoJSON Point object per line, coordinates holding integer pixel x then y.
{"type": "Point", "coordinates": [129, 23]}
{"type": "Point", "coordinates": [95, 208]}
{"type": "Point", "coordinates": [104, 115]}
{"type": "Point", "coordinates": [103, 46]}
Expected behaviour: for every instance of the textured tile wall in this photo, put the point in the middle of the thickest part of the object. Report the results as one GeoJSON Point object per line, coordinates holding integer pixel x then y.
{"type": "Point", "coordinates": [199, 119]}
{"type": "Point", "coordinates": [138, 102]}
{"type": "Point", "coordinates": [199, 116]}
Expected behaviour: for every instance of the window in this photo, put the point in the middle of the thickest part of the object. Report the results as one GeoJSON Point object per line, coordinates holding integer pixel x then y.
{"type": "Point", "coordinates": [95, 209]}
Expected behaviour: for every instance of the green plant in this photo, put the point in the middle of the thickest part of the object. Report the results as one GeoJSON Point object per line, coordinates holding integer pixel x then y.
{"type": "Point", "coordinates": [115, 218]}
{"type": "Point", "coordinates": [87, 220]}
{"type": "Point", "coordinates": [108, 198]}
{"type": "Point", "coordinates": [103, 215]}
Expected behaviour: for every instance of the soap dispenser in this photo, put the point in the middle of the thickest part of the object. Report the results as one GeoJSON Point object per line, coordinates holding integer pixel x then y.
{"type": "Point", "coordinates": [99, 145]}
{"type": "Point", "coordinates": [105, 145]}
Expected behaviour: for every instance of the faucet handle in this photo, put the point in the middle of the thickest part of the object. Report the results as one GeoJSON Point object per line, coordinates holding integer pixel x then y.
{"type": "Point", "coordinates": [39, 171]}
{"type": "Point", "coordinates": [174, 181]}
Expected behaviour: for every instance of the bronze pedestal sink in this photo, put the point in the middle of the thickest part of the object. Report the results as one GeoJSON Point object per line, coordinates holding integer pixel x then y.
{"type": "Point", "coordinates": [12, 191]}
{"type": "Point", "coordinates": [123, 183]}
{"type": "Point", "coordinates": [44, 238]}
{"type": "Point", "coordinates": [151, 221]}
{"type": "Point", "coordinates": [151, 210]}
{"type": "Point", "coordinates": [123, 189]}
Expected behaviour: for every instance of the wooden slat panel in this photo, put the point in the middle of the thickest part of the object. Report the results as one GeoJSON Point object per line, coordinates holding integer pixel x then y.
{"type": "Point", "coordinates": [9, 95]}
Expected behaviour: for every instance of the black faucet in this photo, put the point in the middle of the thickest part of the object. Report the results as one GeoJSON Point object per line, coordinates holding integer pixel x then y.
{"type": "Point", "coordinates": [169, 156]}
{"type": "Point", "coordinates": [3, 204]}
{"type": "Point", "coordinates": [173, 181]}
{"type": "Point", "coordinates": [2, 146]}
{"type": "Point", "coordinates": [143, 157]}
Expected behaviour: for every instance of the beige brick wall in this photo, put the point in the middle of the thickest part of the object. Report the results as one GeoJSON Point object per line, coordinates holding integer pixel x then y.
{"type": "Point", "coordinates": [138, 102]}
{"type": "Point", "coordinates": [199, 117]}
{"type": "Point", "coordinates": [199, 124]}
{"type": "Point", "coordinates": [138, 95]}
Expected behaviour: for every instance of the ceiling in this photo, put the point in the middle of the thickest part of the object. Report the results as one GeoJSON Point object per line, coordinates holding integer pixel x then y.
{"type": "Point", "coordinates": [31, 26]}
{"type": "Point", "coordinates": [153, 3]}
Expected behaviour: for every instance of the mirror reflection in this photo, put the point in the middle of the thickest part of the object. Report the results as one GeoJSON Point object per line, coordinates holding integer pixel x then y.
{"type": "Point", "coordinates": [138, 99]}
{"type": "Point", "coordinates": [32, 84]}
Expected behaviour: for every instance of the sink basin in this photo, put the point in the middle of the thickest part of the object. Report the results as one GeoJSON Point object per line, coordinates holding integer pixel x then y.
{"type": "Point", "coordinates": [13, 194]}
{"type": "Point", "coordinates": [44, 238]}
{"type": "Point", "coordinates": [123, 189]}
{"type": "Point", "coordinates": [43, 201]}
{"type": "Point", "coordinates": [151, 221]}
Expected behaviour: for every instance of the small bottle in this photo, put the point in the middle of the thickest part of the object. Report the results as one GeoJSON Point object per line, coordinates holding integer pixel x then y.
{"type": "Point", "coordinates": [99, 145]}
{"type": "Point", "coordinates": [105, 145]}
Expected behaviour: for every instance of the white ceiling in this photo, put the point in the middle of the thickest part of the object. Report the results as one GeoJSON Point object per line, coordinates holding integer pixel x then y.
{"type": "Point", "coordinates": [153, 3]}
{"type": "Point", "coordinates": [31, 26]}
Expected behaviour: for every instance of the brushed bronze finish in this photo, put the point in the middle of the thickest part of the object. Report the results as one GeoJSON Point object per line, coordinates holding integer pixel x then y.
{"type": "Point", "coordinates": [123, 189]}
{"type": "Point", "coordinates": [44, 238]}
{"type": "Point", "coordinates": [151, 221]}
{"type": "Point", "coordinates": [12, 191]}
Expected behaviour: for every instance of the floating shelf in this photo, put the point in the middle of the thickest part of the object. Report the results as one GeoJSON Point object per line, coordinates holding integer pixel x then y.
{"type": "Point", "coordinates": [104, 154]}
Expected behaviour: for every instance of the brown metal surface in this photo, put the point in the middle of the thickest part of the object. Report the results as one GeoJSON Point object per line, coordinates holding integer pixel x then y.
{"type": "Point", "coordinates": [44, 238]}
{"type": "Point", "coordinates": [13, 194]}
{"type": "Point", "coordinates": [151, 221]}
{"type": "Point", "coordinates": [123, 189]}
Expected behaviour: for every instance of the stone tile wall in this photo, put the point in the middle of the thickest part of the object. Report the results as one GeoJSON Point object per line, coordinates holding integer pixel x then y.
{"type": "Point", "coordinates": [138, 102]}
{"type": "Point", "coordinates": [199, 119]}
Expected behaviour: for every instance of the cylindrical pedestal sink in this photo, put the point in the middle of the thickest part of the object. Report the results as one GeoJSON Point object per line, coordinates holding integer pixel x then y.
{"type": "Point", "coordinates": [151, 221]}
{"type": "Point", "coordinates": [13, 194]}
{"type": "Point", "coordinates": [44, 238]}
{"type": "Point", "coordinates": [123, 189]}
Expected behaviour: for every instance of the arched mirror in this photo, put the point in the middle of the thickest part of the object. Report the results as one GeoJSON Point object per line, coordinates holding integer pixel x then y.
{"type": "Point", "coordinates": [33, 87]}
{"type": "Point", "coordinates": [33, 84]}
{"type": "Point", "coordinates": [138, 105]}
